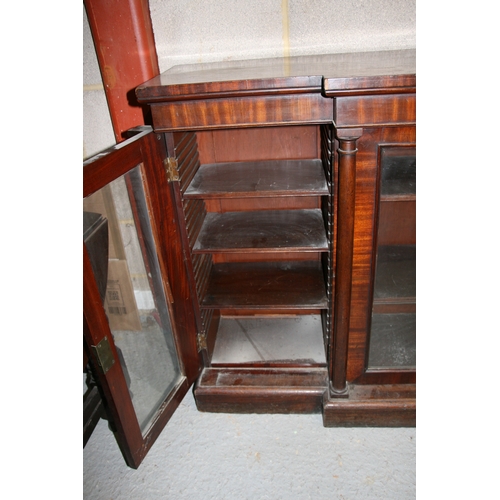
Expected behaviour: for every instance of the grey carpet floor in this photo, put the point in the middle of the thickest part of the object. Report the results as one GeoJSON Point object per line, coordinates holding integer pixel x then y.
{"type": "Point", "coordinates": [229, 456]}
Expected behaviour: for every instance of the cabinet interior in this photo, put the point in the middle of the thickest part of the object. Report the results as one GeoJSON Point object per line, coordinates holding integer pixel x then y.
{"type": "Point", "coordinates": [258, 214]}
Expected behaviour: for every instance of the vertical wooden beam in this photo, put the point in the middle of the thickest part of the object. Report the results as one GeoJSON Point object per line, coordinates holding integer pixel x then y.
{"type": "Point", "coordinates": [345, 242]}
{"type": "Point", "coordinates": [126, 52]}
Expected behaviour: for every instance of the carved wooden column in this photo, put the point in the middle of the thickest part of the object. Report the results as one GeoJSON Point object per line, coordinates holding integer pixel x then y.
{"type": "Point", "coordinates": [345, 241]}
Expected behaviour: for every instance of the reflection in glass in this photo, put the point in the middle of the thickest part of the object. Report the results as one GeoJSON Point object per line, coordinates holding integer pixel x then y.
{"type": "Point", "coordinates": [393, 321]}
{"type": "Point", "coordinates": [135, 302]}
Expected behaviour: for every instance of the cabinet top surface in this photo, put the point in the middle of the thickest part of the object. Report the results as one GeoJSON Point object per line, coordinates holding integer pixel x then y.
{"type": "Point", "coordinates": [329, 73]}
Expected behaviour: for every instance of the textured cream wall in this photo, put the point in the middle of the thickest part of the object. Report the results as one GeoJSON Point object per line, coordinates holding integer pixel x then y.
{"type": "Point", "coordinates": [215, 30]}
{"type": "Point", "coordinates": [97, 128]}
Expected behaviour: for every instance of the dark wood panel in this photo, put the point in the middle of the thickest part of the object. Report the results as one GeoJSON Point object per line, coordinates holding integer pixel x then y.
{"type": "Point", "coordinates": [266, 285]}
{"type": "Point", "coordinates": [266, 203]}
{"type": "Point", "coordinates": [194, 215]}
{"type": "Point", "coordinates": [373, 406]}
{"type": "Point", "coordinates": [93, 411]}
{"type": "Point", "coordinates": [402, 305]}
{"type": "Point", "coordinates": [233, 313]}
{"type": "Point", "coordinates": [267, 257]}
{"type": "Point", "coordinates": [397, 224]}
{"type": "Point", "coordinates": [374, 91]}
{"type": "Point", "coordinates": [367, 71]}
{"type": "Point", "coordinates": [242, 112]}
{"type": "Point", "coordinates": [364, 233]}
{"type": "Point", "coordinates": [263, 231]}
{"type": "Point", "coordinates": [375, 110]}
{"type": "Point", "coordinates": [258, 144]}
{"type": "Point", "coordinates": [210, 320]}
{"type": "Point", "coordinates": [261, 390]}
{"type": "Point", "coordinates": [257, 179]}
{"type": "Point", "coordinates": [186, 153]}
{"type": "Point", "coordinates": [388, 376]}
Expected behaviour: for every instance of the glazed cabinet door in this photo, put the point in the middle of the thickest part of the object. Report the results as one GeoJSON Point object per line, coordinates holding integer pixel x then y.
{"type": "Point", "coordinates": [382, 332]}
{"type": "Point", "coordinates": [392, 340]}
{"type": "Point", "coordinates": [138, 328]}
{"type": "Point", "coordinates": [375, 158]}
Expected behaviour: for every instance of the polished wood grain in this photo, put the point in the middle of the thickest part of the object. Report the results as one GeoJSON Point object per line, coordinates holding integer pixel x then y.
{"type": "Point", "coordinates": [366, 71]}
{"type": "Point", "coordinates": [342, 109]}
{"type": "Point", "coordinates": [242, 112]}
{"type": "Point", "coordinates": [397, 221]}
{"type": "Point", "coordinates": [258, 144]}
{"type": "Point", "coordinates": [364, 240]}
{"type": "Point", "coordinates": [258, 179]}
{"type": "Point", "coordinates": [261, 390]}
{"type": "Point", "coordinates": [252, 204]}
{"type": "Point", "coordinates": [373, 406]}
{"type": "Point", "coordinates": [263, 231]}
{"type": "Point", "coordinates": [375, 110]}
{"type": "Point", "coordinates": [347, 151]}
{"type": "Point", "coordinates": [266, 285]}
{"type": "Point", "coordinates": [190, 214]}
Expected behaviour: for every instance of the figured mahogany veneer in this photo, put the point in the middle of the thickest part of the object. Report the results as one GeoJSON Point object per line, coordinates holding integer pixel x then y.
{"type": "Point", "coordinates": [214, 113]}
{"type": "Point", "coordinates": [266, 286]}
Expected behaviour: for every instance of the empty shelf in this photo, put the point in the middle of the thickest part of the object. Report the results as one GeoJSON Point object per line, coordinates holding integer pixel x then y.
{"type": "Point", "coordinates": [266, 285]}
{"type": "Point", "coordinates": [259, 178]}
{"type": "Point", "coordinates": [263, 231]}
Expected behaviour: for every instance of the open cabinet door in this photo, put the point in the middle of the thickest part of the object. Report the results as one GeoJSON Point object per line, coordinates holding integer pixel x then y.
{"type": "Point", "coordinates": [139, 327]}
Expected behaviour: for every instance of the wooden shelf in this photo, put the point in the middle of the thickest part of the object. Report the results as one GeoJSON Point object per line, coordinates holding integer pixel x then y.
{"type": "Point", "coordinates": [259, 179]}
{"type": "Point", "coordinates": [266, 285]}
{"type": "Point", "coordinates": [263, 231]}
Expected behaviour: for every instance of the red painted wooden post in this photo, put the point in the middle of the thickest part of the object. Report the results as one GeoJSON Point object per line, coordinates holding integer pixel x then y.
{"type": "Point", "coordinates": [126, 51]}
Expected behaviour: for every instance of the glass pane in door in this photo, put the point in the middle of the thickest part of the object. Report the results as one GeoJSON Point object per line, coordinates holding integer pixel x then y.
{"type": "Point", "coordinates": [393, 319]}
{"type": "Point", "coordinates": [133, 294]}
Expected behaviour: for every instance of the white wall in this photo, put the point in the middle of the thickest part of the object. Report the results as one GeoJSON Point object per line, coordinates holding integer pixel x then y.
{"type": "Point", "coordinates": [97, 128]}
{"type": "Point", "coordinates": [215, 30]}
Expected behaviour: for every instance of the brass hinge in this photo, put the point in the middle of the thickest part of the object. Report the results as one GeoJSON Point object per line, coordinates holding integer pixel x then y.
{"type": "Point", "coordinates": [201, 342]}
{"type": "Point", "coordinates": [104, 355]}
{"type": "Point", "coordinates": [171, 168]}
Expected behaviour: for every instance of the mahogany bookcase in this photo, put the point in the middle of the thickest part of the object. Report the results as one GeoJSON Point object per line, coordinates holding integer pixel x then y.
{"type": "Point", "coordinates": [273, 206]}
